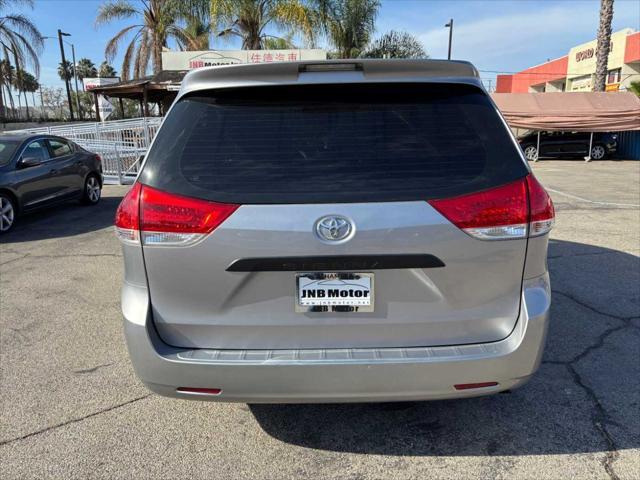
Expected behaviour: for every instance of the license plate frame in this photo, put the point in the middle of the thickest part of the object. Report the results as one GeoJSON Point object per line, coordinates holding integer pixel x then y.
{"type": "Point", "coordinates": [352, 303]}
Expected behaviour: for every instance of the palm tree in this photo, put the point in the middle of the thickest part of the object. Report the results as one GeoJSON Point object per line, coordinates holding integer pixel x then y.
{"type": "Point", "coordinates": [7, 76]}
{"type": "Point", "coordinates": [197, 16]}
{"type": "Point", "coordinates": [248, 19]}
{"type": "Point", "coordinates": [348, 24]}
{"type": "Point", "coordinates": [65, 72]}
{"type": "Point", "coordinates": [30, 84]}
{"type": "Point", "coordinates": [156, 21]}
{"type": "Point", "coordinates": [273, 43]}
{"type": "Point", "coordinates": [20, 82]}
{"type": "Point", "coordinates": [85, 69]}
{"type": "Point", "coordinates": [20, 41]}
{"type": "Point", "coordinates": [604, 42]}
{"type": "Point", "coordinates": [106, 70]}
{"type": "Point", "coordinates": [396, 45]}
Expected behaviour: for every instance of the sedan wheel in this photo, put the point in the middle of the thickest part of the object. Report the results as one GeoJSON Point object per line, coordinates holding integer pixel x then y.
{"type": "Point", "coordinates": [7, 213]}
{"type": "Point", "coordinates": [597, 152]}
{"type": "Point", "coordinates": [531, 153]}
{"type": "Point", "coordinates": [92, 190]}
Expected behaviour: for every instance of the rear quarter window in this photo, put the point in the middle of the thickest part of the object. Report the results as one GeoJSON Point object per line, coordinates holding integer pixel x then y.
{"type": "Point", "coordinates": [333, 143]}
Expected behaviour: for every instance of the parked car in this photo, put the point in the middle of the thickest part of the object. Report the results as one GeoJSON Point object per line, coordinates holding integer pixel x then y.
{"type": "Point", "coordinates": [38, 171]}
{"type": "Point", "coordinates": [357, 230]}
{"type": "Point", "coordinates": [568, 145]}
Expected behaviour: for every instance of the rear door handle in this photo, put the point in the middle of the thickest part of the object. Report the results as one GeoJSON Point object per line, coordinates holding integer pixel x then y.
{"type": "Point", "coordinates": [53, 171]}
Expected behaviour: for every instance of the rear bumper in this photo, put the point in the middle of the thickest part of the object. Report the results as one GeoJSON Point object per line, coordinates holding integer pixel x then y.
{"type": "Point", "coordinates": [338, 375]}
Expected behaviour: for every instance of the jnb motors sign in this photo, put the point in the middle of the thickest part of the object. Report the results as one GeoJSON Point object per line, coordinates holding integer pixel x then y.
{"type": "Point", "coordinates": [210, 58]}
{"type": "Point", "coordinates": [105, 107]}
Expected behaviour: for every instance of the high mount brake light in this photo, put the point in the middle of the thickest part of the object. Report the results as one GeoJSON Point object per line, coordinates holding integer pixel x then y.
{"type": "Point", "coordinates": [501, 213]}
{"type": "Point", "coordinates": [161, 218]}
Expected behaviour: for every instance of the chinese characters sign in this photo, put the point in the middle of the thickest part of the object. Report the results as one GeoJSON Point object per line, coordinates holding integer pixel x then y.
{"type": "Point", "coordinates": [191, 60]}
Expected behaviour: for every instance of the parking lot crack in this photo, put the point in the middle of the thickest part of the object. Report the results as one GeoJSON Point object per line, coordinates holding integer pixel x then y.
{"type": "Point", "coordinates": [21, 257]}
{"type": "Point", "coordinates": [74, 420]}
{"type": "Point", "coordinates": [92, 369]}
{"type": "Point", "coordinates": [600, 417]}
{"type": "Point", "coordinates": [600, 420]}
{"type": "Point", "coordinates": [590, 307]}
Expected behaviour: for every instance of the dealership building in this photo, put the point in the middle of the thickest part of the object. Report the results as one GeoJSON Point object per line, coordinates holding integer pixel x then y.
{"type": "Point", "coordinates": [575, 71]}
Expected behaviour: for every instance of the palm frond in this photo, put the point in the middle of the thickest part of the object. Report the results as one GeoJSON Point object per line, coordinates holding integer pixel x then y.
{"type": "Point", "coordinates": [128, 57]}
{"type": "Point", "coordinates": [115, 10]}
{"type": "Point", "coordinates": [111, 50]}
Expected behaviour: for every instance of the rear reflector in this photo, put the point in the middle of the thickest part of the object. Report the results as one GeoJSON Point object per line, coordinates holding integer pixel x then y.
{"type": "Point", "coordinates": [502, 213]}
{"type": "Point", "coordinates": [167, 219]}
{"type": "Point", "coordinates": [542, 212]}
{"type": "Point", "coordinates": [469, 386]}
{"type": "Point", "coordinates": [200, 391]}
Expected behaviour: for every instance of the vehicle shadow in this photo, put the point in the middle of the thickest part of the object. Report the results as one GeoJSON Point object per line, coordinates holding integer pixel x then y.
{"type": "Point", "coordinates": [64, 220]}
{"type": "Point", "coordinates": [555, 413]}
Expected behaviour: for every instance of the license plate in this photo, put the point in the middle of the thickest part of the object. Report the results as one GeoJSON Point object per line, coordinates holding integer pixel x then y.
{"type": "Point", "coordinates": [334, 292]}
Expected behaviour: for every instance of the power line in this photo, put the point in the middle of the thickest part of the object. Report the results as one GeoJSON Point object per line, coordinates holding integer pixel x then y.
{"type": "Point", "coordinates": [544, 73]}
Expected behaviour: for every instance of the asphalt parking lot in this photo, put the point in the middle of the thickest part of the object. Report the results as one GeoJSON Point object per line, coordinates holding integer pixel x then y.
{"type": "Point", "coordinates": [72, 407]}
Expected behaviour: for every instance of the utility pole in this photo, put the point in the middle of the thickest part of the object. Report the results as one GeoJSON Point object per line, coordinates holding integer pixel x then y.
{"type": "Point", "coordinates": [450, 25]}
{"type": "Point", "coordinates": [64, 65]}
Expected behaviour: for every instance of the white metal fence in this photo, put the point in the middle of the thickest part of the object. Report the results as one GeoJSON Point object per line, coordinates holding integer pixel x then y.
{"type": "Point", "coordinates": [120, 143]}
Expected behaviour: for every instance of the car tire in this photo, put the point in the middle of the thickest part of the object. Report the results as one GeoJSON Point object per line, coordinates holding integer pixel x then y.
{"type": "Point", "coordinates": [7, 213]}
{"type": "Point", "coordinates": [92, 190]}
{"type": "Point", "coordinates": [530, 153]}
{"type": "Point", "coordinates": [598, 152]}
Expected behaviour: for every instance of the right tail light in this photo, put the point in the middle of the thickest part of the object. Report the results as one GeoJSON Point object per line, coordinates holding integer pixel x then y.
{"type": "Point", "coordinates": [506, 212]}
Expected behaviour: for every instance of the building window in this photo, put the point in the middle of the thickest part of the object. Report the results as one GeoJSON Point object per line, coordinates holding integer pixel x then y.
{"type": "Point", "coordinates": [613, 76]}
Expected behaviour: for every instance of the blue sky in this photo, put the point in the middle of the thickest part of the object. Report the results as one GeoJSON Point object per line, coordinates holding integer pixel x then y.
{"type": "Point", "coordinates": [496, 35]}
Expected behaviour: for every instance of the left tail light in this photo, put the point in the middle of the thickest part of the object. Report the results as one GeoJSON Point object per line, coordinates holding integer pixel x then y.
{"type": "Point", "coordinates": [154, 217]}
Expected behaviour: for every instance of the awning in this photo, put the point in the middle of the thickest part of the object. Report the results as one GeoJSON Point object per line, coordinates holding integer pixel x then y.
{"type": "Point", "coordinates": [571, 111]}
{"type": "Point", "coordinates": [156, 87]}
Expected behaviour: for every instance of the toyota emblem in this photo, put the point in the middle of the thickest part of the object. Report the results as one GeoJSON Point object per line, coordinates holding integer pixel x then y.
{"type": "Point", "coordinates": [334, 228]}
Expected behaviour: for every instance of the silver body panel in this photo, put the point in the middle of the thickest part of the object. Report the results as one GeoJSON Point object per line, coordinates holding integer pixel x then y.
{"type": "Point", "coordinates": [338, 375]}
{"type": "Point", "coordinates": [474, 298]}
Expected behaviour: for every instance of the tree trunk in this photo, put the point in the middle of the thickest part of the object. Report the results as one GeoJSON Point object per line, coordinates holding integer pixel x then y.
{"type": "Point", "coordinates": [19, 105]}
{"type": "Point", "coordinates": [13, 105]}
{"type": "Point", "coordinates": [26, 104]}
{"type": "Point", "coordinates": [604, 43]}
{"type": "Point", "coordinates": [157, 55]}
{"type": "Point", "coordinates": [1, 102]}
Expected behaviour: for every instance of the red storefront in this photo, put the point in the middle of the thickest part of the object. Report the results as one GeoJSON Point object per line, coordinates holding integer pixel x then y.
{"type": "Point", "coordinates": [573, 72]}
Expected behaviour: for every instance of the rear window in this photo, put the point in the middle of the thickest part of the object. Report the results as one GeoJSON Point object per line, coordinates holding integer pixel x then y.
{"type": "Point", "coordinates": [333, 143]}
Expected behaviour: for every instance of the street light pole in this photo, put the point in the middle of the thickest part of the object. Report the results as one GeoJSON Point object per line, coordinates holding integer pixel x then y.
{"type": "Point", "coordinates": [450, 25]}
{"type": "Point", "coordinates": [64, 66]}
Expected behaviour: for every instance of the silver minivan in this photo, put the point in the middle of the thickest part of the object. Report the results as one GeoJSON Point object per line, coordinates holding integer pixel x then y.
{"type": "Point", "coordinates": [356, 230]}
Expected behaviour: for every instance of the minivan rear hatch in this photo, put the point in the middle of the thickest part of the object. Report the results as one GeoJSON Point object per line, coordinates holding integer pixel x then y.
{"type": "Point", "coordinates": [281, 160]}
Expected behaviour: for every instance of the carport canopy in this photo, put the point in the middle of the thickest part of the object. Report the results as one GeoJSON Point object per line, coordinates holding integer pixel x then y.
{"type": "Point", "coordinates": [571, 111]}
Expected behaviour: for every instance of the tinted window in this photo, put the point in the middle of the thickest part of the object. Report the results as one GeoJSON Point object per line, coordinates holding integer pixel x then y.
{"type": "Point", "coordinates": [59, 148]}
{"type": "Point", "coordinates": [333, 143]}
{"type": "Point", "coordinates": [7, 149]}
{"type": "Point", "coordinates": [37, 149]}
